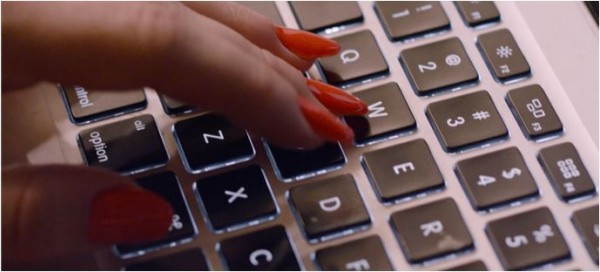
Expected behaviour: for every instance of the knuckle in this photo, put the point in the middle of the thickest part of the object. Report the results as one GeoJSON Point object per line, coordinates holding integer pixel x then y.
{"type": "Point", "coordinates": [157, 27]}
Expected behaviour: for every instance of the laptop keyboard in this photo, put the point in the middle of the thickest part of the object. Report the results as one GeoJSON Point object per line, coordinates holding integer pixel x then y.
{"type": "Point", "coordinates": [451, 168]}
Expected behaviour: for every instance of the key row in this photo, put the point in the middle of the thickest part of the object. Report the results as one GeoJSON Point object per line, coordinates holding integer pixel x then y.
{"type": "Point", "coordinates": [432, 67]}
{"type": "Point", "coordinates": [210, 141]}
{"type": "Point", "coordinates": [436, 229]}
{"type": "Point", "coordinates": [437, 66]}
{"type": "Point", "coordinates": [401, 20]}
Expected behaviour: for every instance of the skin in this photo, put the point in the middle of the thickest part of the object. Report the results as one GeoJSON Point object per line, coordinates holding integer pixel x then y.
{"type": "Point", "coordinates": [218, 56]}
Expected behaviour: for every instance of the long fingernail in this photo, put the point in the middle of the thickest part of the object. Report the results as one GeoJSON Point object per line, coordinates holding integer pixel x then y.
{"type": "Point", "coordinates": [128, 215]}
{"type": "Point", "coordinates": [336, 100]}
{"type": "Point", "coordinates": [306, 45]}
{"type": "Point", "coordinates": [324, 123]}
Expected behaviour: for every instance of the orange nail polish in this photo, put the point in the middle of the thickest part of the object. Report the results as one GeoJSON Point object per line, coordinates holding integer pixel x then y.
{"type": "Point", "coordinates": [336, 100]}
{"type": "Point", "coordinates": [128, 215]}
{"type": "Point", "coordinates": [306, 45]}
{"type": "Point", "coordinates": [324, 123]}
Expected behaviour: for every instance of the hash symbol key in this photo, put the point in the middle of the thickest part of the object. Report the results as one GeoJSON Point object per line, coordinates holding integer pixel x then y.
{"type": "Point", "coordinates": [466, 120]}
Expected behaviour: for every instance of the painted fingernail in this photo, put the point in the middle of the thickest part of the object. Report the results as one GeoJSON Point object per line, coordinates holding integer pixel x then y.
{"type": "Point", "coordinates": [336, 100]}
{"type": "Point", "coordinates": [128, 215]}
{"type": "Point", "coordinates": [306, 45]}
{"type": "Point", "coordinates": [324, 123]}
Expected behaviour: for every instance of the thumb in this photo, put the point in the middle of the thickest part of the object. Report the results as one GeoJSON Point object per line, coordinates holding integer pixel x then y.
{"type": "Point", "coordinates": [51, 214]}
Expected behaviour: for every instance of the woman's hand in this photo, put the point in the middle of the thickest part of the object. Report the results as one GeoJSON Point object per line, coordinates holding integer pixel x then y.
{"type": "Point", "coordinates": [218, 56]}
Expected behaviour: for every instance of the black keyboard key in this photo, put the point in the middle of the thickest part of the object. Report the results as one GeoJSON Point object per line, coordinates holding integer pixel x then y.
{"type": "Point", "coordinates": [476, 13]}
{"type": "Point", "coordinates": [264, 250]}
{"type": "Point", "coordinates": [503, 56]}
{"type": "Point", "coordinates": [439, 65]}
{"type": "Point", "coordinates": [534, 111]}
{"type": "Point", "coordinates": [527, 239]}
{"type": "Point", "coordinates": [431, 230]}
{"type": "Point", "coordinates": [586, 222]}
{"type": "Point", "coordinates": [174, 107]}
{"type": "Point", "coordinates": [210, 141]}
{"type": "Point", "coordinates": [329, 206]}
{"type": "Point", "coordinates": [402, 170]}
{"type": "Point", "coordinates": [128, 146]}
{"type": "Point", "coordinates": [403, 20]}
{"type": "Point", "coordinates": [359, 58]}
{"type": "Point", "coordinates": [472, 266]}
{"type": "Point", "coordinates": [466, 120]}
{"type": "Point", "coordinates": [299, 164]}
{"type": "Point", "coordinates": [318, 15]}
{"type": "Point", "coordinates": [182, 228]}
{"type": "Point", "coordinates": [496, 178]}
{"type": "Point", "coordinates": [188, 260]}
{"type": "Point", "coordinates": [265, 8]}
{"type": "Point", "coordinates": [388, 114]}
{"type": "Point", "coordinates": [566, 171]}
{"type": "Point", "coordinates": [236, 197]}
{"type": "Point", "coordinates": [364, 254]}
{"type": "Point", "coordinates": [86, 106]}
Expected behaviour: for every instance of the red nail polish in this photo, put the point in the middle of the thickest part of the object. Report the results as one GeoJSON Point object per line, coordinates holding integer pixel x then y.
{"type": "Point", "coordinates": [324, 123]}
{"type": "Point", "coordinates": [336, 100]}
{"type": "Point", "coordinates": [306, 45]}
{"type": "Point", "coordinates": [128, 215]}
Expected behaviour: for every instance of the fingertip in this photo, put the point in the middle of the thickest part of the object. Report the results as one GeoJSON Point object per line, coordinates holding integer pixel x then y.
{"type": "Point", "coordinates": [124, 214]}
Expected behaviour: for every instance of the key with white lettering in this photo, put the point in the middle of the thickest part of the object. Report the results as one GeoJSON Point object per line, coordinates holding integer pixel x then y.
{"type": "Point", "coordinates": [236, 197]}
{"type": "Point", "coordinates": [329, 206]}
{"type": "Point", "coordinates": [503, 56]}
{"type": "Point", "coordinates": [210, 141]}
{"type": "Point", "coordinates": [359, 58]}
{"type": "Point", "coordinates": [182, 227]}
{"type": "Point", "coordinates": [299, 164]}
{"type": "Point", "coordinates": [431, 230]}
{"type": "Point", "coordinates": [586, 222]}
{"type": "Point", "coordinates": [187, 260]}
{"type": "Point", "coordinates": [496, 178]}
{"type": "Point", "coordinates": [128, 146]}
{"type": "Point", "coordinates": [402, 170]}
{"type": "Point", "coordinates": [388, 114]}
{"type": "Point", "coordinates": [263, 250]}
{"type": "Point", "coordinates": [403, 20]}
{"type": "Point", "coordinates": [438, 66]}
{"type": "Point", "coordinates": [527, 240]}
{"type": "Point", "coordinates": [566, 171]}
{"type": "Point", "coordinates": [319, 15]}
{"type": "Point", "coordinates": [467, 120]}
{"type": "Point", "coordinates": [534, 112]}
{"type": "Point", "coordinates": [360, 255]}
{"type": "Point", "coordinates": [85, 106]}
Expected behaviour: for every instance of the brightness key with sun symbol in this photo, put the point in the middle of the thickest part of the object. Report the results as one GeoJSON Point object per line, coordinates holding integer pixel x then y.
{"type": "Point", "coordinates": [503, 56]}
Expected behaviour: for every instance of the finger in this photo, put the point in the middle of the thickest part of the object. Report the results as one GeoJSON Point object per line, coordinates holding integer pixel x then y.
{"type": "Point", "coordinates": [298, 48]}
{"type": "Point", "coordinates": [52, 213]}
{"type": "Point", "coordinates": [166, 46]}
